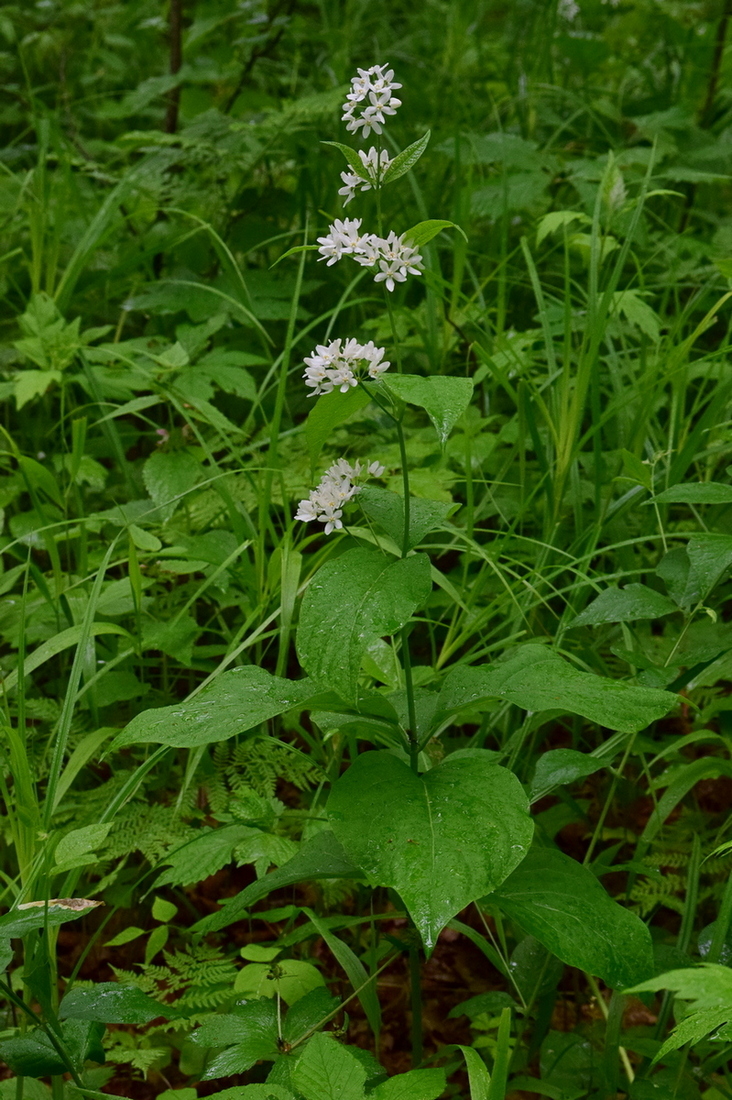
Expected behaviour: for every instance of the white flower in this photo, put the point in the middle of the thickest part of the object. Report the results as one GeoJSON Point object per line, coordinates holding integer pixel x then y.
{"type": "Point", "coordinates": [343, 238]}
{"type": "Point", "coordinates": [372, 87]}
{"type": "Point", "coordinates": [396, 260]}
{"type": "Point", "coordinates": [336, 488]}
{"type": "Point", "coordinates": [375, 164]}
{"type": "Point", "coordinates": [568, 9]}
{"type": "Point", "coordinates": [331, 365]}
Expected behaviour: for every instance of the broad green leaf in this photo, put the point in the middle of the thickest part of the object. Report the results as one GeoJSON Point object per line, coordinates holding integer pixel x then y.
{"type": "Point", "coordinates": [327, 1070]}
{"type": "Point", "coordinates": [701, 492]}
{"type": "Point", "coordinates": [406, 160]}
{"type": "Point", "coordinates": [415, 1084]}
{"type": "Point", "coordinates": [441, 839]}
{"type": "Point", "coordinates": [112, 1003]}
{"type": "Point", "coordinates": [559, 767]}
{"type": "Point", "coordinates": [352, 601]}
{"type": "Point", "coordinates": [625, 605]}
{"type": "Point", "coordinates": [538, 679]}
{"type": "Point", "coordinates": [143, 540]}
{"type": "Point", "coordinates": [710, 557]}
{"type": "Point", "coordinates": [32, 1055]}
{"type": "Point", "coordinates": [291, 978]}
{"type": "Point", "coordinates": [423, 232]}
{"type": "Point", "coordinates": [235, 701]}
{"type": "Point", "coordinates": [562, 904]}
{"type": "Point", "coordinates": [248, 1034]}
{"type": "Point", "coordinates": [127, 935]}
{"type": "Point", "coordinates": [354, 968]}
{"type": "Point", "coordinates": [354, 161]}
{"type": "Point", "coordinates": [556, 219]}
{"type": "Point", "coordinates": [387, 509]}
{"type": "Point", "coordinates": [80, 842]}
{"type": "Point", "coordinates": [478, 1074]}
{"type": "Point", "coordinates": [169, 477]}
{"type": "Point", "coordinates": [443, 399]}
{"type": "Point", "coordinates": [330, 410]}
{"type": "Point", "coordinates": [321, 857]}
{"type": "Point", "coordinates": [307, 1013]}
{"type": "Point", "coordinates": [245, 1092]}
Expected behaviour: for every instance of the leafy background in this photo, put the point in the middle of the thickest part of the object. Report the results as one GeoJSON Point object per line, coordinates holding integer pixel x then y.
{"type": "Point", "coordinates": [155, 445]}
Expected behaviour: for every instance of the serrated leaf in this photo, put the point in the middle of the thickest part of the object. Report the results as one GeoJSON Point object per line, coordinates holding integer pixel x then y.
{"type": "Point", "coordinates": [406, 160]}
{"type": "Point", "coordinates": [441, 839]}
{"type": "Point", "coordinates": [637, 312]}
{"type": "Point", "coordinates": [443, 399]}
{"type": "Point", "coordinates": [33, 383]}
{"type": "Point", "coordinates": [538, 679]}
{"type": "Point", "coordinates": [234, 702]}
{"type": "Point", "coordinates": [423, 232]}
{"type": "Point", "coordinates": [350, 602]}
{"type": "Point", "coordinates": [326, 1070]}
{"type": "Point", "coordinates": [415, 1084]}
{"type": "Point", "coordinates": [555, 220]}
{"type": "Point", "coordinates": [169, 477]}
{"type": "Point", "coordinates": [631, 604]}
{"type": "Point", "coordinates": [202, 856]}
{"type": "Point", "coordinates": [561, 903]}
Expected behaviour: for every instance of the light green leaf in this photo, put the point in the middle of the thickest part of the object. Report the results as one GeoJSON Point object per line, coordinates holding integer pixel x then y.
{"type": "Point", "coordinates": [638, 312]}
{"type": "Point", "coordinates": [415, 1084]}
{"type": "Point", "coordinates": [143, 540]}
{"type": "Point", "coordinates": [321, 857]}
{"type": "Point", "coordinates": [164, 910]}
{"type": "Point", "coordinates": [443, 399]}
{"type": "Point", "coordinates": [291, 978]}
{"type": "Point", "coordinates": [330, 410]}
{"type": "Point", "coordinates": [235, 701]}
{"type": "Point", "coordinates": [710, 556]}
{"type": "Point", "coordinates": [406, 160]}
{"type": "Point", "coordinates": [556, 219]}
{"type": "Point", "coordinates": [561, 904]}
{"type": "Point", "coordinates": [538, 679]}
{"type": "Point", "coordinates": [699, 492]}
{"type": "Point", "coordinates": [441, 840]}
{"type": "Point", "coordinates": [708, 988]}
{"type": "Point", "coordinates": [387, 509]}
{"type": "Point", "coordinates": [478, 1075]}
{"type": "Point", "coordinates": [326, 1070]}
{"type": "Point", "coordinates": [33, 383]}
{"type": "Point", "coordinates": [169, 477]}
{"type": "Point", "coordinates": [351, 601]}
{"type": "Point", "coordinates": [558, 767]}
{"type": "Point", "coordinates": [423, 232]}
{"type": "Point", "coordinates": [127, 935]}
{"type": "Point", "coordinates": [80, 842]}
{"type": "Point", "coordinates": [625, 605]}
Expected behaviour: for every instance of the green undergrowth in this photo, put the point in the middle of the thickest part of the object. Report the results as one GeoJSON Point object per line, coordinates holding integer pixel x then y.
{"type": "Point", "coordinates": [255, 777]}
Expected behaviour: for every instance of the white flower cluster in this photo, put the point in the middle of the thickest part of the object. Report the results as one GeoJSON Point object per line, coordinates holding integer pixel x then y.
{"type": "Point", "coordinates": [335, 489]}
{"type": "Point", "coordinates": [370, 100]}
{"type": "Point", "coordinates": [331, 365]}
{"type": "Point", "coordinates": [395, 258]}
{"type": "Point", "coordinates": [375, 164]}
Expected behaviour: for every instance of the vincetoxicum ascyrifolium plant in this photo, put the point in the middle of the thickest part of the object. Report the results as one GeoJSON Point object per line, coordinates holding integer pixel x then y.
{"type": "Point", "coordinates": [440, 835]}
